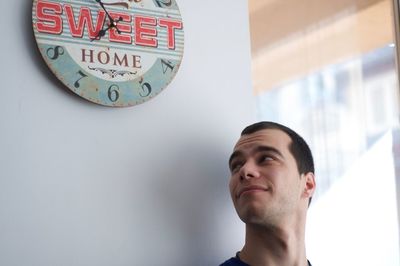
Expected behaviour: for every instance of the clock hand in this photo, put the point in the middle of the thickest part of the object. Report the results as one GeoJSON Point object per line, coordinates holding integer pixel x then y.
{"type": "Point", "coordinates": [113, 23]}
{"type": "Point", "coordinates": [102, 32]}
{"type": "Point", "coordinates": [102, 6]}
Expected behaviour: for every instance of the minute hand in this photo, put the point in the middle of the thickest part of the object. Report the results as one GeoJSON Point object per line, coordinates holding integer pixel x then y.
{"type": "Point", "coordinates": [102, 6]}
{"type": "Point", "coordinates": [113, 23]}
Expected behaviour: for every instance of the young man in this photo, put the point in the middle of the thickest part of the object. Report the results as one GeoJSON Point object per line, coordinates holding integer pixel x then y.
{"type": "Point", "coordinates": [272, 182]}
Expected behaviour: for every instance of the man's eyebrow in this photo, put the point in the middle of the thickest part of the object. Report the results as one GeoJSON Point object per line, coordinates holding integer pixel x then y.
{"type": "Point", "coordinates": [269, 149]}
{"type": "Point", "coordinates": [233, 156]}
{"type": "Point", "coordinates": [261, 148]}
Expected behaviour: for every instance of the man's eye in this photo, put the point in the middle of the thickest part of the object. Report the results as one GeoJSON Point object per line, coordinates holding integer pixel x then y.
{"type": "Point", "coordinates": [235, 167]}
{"type": "Point", "coordinates": [266, 158]}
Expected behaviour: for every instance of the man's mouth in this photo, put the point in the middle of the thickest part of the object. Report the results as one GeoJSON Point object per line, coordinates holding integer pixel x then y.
{"type": "Point", "coordinates": [251, 189]}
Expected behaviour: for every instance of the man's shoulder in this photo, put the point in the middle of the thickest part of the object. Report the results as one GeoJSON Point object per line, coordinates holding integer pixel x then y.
{"type": "Point", "coordinates": [234, 262]}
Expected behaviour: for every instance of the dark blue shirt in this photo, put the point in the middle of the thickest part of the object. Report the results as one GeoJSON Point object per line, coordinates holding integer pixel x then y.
{"type": "Point", "coordinates": [234, 262]}
{"type": "Point", "coordinates": [237, 262]}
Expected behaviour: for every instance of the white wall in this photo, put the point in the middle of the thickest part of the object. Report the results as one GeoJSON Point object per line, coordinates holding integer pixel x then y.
{"type": "Point", "coordinates": [82, 184]}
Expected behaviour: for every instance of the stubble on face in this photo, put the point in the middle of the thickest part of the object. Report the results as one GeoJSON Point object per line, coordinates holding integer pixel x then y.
{"type": "Point", "coordinates": [278, 175]}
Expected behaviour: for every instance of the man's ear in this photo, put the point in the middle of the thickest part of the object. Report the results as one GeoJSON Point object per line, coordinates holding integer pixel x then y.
{"type": "Point", "coordinates": [310, 185]}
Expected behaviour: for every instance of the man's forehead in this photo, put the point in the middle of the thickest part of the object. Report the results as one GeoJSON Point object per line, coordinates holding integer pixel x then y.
{"type": "Point", "coordinates": [272, 137]}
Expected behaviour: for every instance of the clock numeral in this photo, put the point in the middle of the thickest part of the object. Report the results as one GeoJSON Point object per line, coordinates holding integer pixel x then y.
{"type": "Point", "coordinates": [162, 3]}
{"type": "Point", "coordinates": [54, 53]}
{"type": "Point", "coordinates": [166, 65]}
{"type": "Point", "coordinates": [83, 75]}
{"type": "Point", "coordinates": [113, 93]}
{"type": "Point", "coordinates": [146, 89]}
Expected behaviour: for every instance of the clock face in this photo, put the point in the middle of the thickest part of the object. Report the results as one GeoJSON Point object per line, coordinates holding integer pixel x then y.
{"type": "Point", "coordinates": [110, 52]}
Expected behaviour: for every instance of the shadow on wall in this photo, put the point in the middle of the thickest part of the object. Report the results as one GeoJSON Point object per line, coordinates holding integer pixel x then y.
{"type": "Point", "coordinates": [195, 191]}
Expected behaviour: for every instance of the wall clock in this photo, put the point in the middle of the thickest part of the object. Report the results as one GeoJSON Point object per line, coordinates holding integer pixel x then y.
{"type": "Point", "coordinates": [110, 52]}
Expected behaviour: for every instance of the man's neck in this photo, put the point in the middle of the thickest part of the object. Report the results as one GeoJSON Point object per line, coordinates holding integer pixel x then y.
{"type": "Point", "coordinates": [274, 246]}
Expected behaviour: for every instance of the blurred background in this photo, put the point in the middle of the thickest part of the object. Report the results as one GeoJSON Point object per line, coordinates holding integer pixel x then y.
{"type": "Point", "coordinates": [328, 70]}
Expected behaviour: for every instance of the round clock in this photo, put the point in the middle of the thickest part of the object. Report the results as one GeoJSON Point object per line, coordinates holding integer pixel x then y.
{"type": "Point", "coordinates": [110, 52]}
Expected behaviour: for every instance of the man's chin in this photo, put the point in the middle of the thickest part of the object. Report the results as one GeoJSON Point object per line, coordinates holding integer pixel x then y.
{"type": "Point", "coordinates": [251, 213]}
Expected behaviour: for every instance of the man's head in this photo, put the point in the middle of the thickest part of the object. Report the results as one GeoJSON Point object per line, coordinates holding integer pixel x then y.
{"type": "Point", "coordinates": [298, 147]}
{"type": "Point", "coordinates": [272, 173]}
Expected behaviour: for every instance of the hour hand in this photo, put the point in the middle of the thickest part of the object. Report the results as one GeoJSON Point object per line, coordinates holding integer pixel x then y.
{"type": "Point", "coordinates": [101, 33]}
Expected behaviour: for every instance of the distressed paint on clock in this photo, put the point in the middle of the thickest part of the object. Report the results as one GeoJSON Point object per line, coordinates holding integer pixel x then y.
{"type": "Point", "coordinates": [113, 66]}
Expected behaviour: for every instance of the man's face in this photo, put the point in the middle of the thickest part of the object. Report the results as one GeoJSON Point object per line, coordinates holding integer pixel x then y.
{"type": "Point", "coordinates": [265, 184]}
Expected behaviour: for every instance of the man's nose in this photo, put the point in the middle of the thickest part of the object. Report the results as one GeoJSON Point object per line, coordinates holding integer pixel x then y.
{"type": "Point", "coordinates": [249, 170]}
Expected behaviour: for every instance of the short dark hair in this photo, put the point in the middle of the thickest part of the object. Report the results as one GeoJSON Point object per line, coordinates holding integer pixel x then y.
{"type": "Point", "coordinates": [299, 148]}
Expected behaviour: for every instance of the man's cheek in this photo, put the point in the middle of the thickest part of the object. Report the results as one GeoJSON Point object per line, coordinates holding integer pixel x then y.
{"type": "Point", "coordinates": [232, 188]}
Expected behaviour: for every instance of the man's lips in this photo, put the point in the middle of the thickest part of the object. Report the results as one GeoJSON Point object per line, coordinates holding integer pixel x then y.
{"type": "Point", "coordinates": [248, 189]}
